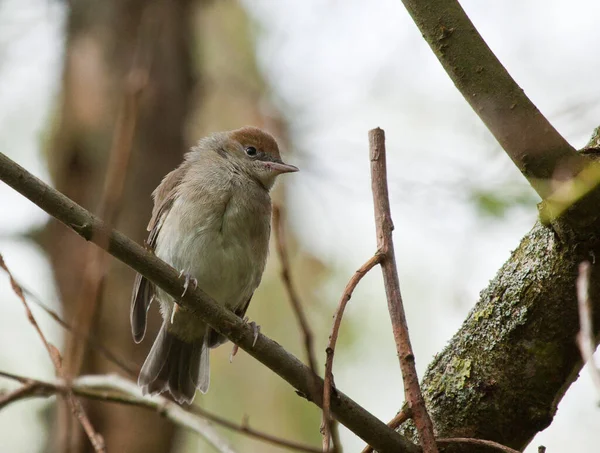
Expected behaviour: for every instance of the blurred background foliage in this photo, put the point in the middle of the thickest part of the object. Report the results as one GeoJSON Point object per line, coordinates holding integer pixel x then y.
{"type": "Point", "coordinates": [318, 74]}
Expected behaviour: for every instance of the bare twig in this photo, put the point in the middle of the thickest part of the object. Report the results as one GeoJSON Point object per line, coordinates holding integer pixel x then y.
{"type": "Point", "coordinates": [18, 394]}
{"type": "Point", "coordinates": [585, 337]}
{"type": "Point", "coordinates": [467, 440]}
{"type": "Point", "coordinates": [534, 145]}
{"type": "Point", "coordinates": [115, 389]}
{"type": "Point", "coordinates": [402, 416]}
{"type": "Point", "coordinates": [93, 342]}
{"type": "Point", "coordinates": [337, 322]}
{"type": "Point", "coordinates": [286, 277]}
{"type": "Point", "coordinates": [265, 350]}
{"type": "Point", "coordinates": [95, 439]}
{"type": "Point", "coordinates": [384, 227]}
{"type": "Point", "coordinates": [328, 425]}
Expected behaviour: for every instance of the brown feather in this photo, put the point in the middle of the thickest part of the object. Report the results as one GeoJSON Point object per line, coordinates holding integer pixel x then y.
{"type": "Point", "coordinates": [143, 290]}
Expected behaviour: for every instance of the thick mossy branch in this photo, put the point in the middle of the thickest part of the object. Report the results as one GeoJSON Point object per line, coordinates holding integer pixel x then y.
{"type": "Point", "coordinates": [504, 372]}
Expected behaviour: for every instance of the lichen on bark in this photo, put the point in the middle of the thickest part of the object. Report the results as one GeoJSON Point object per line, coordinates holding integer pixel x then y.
{"type": "Point", "coordinates": [502, 375]}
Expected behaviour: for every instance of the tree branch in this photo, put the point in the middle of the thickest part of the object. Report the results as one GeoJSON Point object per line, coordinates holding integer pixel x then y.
{"type": "Point", "coordinates": [536, 148]}
{"type": "Point", "coordinates": [384, 227]}
{"type": "Point", "coordinates": [268, 352]}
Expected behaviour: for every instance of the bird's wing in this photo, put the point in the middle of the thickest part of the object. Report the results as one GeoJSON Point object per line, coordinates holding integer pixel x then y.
{"type": "Point", "coordinates": [144, 290]}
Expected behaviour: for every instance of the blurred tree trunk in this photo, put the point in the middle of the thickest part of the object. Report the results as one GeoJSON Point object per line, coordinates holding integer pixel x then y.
{"type": "Point", "coordinates": [102, 38]}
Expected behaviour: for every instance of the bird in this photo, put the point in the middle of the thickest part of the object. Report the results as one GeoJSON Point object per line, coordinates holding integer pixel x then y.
{"type": "Point", "coordinates": [212, 221]}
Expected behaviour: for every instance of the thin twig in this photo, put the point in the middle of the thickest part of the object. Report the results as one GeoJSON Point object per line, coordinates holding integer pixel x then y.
{"type": "Point", "coordinates": [268, 352]}
{"type": "Point", "coordinates": [96, 439]}
{"type": "Point", "coordinates": [93, 342]}
{"type": "Point", "coordinates": [115, 389]}
{"type": "Point", "coordinates": [328, 425]}
{"type": "Point", "coordinates": [402, 416]}
{"type": "Point", "coordinates": [22, 392]}
{"type": "Point", "coordinates": [330, 351]}
{"type": "Point", "coordinates": [585, 337]}
{"type": "Point", "coordinates": [245, 428]}
{"type": "Point", "coordinates": [384, 228]}
{"type": "Point", "coordinates": [467, 440]}
{"type": "Point", "coordinates": [286, 277]}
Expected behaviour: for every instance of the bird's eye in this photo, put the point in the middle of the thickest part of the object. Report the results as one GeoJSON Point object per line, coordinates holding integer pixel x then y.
{"type": "Point", "coordinates": [251, 151]}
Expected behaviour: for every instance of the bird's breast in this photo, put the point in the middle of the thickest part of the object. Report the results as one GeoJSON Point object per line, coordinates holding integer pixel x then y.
{"type": "Point", "coordinates": [222, 242]}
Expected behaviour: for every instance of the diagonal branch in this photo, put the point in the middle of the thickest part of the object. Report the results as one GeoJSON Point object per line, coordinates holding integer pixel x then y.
{"type": "Point", "coordinates": [268, 352]}
{"type": "Point", "coordinates": [384, 228]}
{"type": "Point", "coordinates": [536, 148]}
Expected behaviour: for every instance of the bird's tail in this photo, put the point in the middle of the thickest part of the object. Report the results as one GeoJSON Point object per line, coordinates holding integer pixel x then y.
{"type": "Point", "coordinates": [176, 366]}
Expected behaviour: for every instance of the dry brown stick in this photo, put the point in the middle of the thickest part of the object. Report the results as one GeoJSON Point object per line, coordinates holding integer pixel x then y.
{"type": "Point", "coordinates": [115, 389]}
{"type": "Point", "coordinates": [468, 440]}
{"type": "Point", "coordinates": [384, 228]}
{"type": "Point", "coordinates": [585, 337]}
{"type": "Point", "coordinates": [330, 351]}
{"type": "Point", "coordinates": [96, 439]}
{"type": "Point", "coordinates": [328, 425]}
{"type": "Point", "coordinates": [402, 416]}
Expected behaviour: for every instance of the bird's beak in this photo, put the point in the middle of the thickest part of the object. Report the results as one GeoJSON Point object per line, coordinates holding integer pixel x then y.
{"type": "Point", "coordinates": [280, 167]}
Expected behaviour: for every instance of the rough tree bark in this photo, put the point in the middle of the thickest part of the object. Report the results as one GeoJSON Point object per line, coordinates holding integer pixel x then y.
{"type": "Point", "coordinates": [101, 41]}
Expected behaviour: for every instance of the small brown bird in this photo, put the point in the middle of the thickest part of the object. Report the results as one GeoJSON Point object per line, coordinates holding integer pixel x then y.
{"type": "Point", "coordinates": [211, 220]}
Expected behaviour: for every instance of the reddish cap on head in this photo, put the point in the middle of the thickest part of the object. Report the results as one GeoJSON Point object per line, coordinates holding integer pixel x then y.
{"type": "Point", "coordinates": [265, 145]}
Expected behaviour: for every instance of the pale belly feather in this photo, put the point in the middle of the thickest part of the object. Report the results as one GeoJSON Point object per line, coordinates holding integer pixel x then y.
{"type": "Point", "coordinates": [218, 249]}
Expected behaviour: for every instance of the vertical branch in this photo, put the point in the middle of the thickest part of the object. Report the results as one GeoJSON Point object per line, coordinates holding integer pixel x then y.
{"type": "Point", "coordinates": [96, 439]}
{"type": "Point", "coordinates": [585, 337]}
{"type": "Point", "coordinates": [384, 228]}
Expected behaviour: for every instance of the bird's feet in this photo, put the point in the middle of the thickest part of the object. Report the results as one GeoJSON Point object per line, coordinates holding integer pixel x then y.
{"type": "Point", "coordinates": [188, 279]}
{"type": "Point", "coordinates": [255, 330]}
